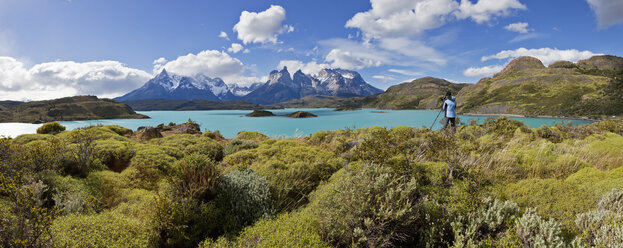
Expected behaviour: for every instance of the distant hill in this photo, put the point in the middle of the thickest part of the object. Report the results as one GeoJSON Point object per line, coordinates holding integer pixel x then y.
{"type": "Point", "coordinates": [423, 93]}
{"type": "Point", "coordinates": [161, 104]}
{"type": "Point", "coordinates": [66, 109]}
{"type": "Point", "coordinates": [588, 88]}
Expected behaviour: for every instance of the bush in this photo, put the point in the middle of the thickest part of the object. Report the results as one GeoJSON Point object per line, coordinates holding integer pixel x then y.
{"type": "Point", "coordinates": [120, 130]}
{"type": "Point", "coordinates": [492, 220]}
{"type": "Point", "coordinates": [552, 198]}
{"type": "Point", "coordinates": [252, 136]}
{"type": "Point", "coordinates": [106, 229]}
{"type": "Point", "coordinates": [293, 170]}
{"type": "Point", "coordinates": [248, 198]}
{"type": "Point", "coordinates": [537, 232]}
{"type": "Point", "coordinates": [296, 229]}
{"type": "Point", "coordinates": [51, 128]}
{"type": "Point", "coordinates": [371, 206]}
{"type": "Point", "coordinates": [184, 222]}
{"type": "Point", "coordinates": [114, 154]}
{"type": "Point", "coordinates": [612, 201]}
{"type": "Point", "coordinates": [216, 135]}
{"type": "Point", "coordinates": [189, 144]}
{"type": "Point", "coordinates": [602, 227]}
{"type": "Point", "coordinates": [238, 145]}
{"type": "Point", "coordinates": [196, 176]}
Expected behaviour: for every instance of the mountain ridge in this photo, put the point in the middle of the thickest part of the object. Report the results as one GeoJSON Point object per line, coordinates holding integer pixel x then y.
{"type": "Point", "coordinates": [280, 86]}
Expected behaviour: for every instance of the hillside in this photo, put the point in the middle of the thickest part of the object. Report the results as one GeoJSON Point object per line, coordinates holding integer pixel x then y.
{"type": "Point", "coordinates": [161, 104]}
{"type": "Point", "coordinates": [589, 88]}
{"type": "Point", "coordinates": [67, 109]}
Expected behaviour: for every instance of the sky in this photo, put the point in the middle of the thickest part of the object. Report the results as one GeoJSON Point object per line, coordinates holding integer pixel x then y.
{"type": "Point", "coordinates": [57, 48]}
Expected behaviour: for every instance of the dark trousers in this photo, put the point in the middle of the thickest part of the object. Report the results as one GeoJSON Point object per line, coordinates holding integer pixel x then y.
{"type": "Point", "coordinates": [451, 121]}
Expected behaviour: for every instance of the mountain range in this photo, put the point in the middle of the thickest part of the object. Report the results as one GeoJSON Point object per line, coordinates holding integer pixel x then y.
{"type": "Point", "coordinates": [280, 87]}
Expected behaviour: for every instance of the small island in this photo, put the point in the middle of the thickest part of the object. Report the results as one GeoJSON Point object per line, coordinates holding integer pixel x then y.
{"type": "Point", "coordinates": [297, 114]}
{"type": "Point", "coordinates": [260, 113]}
{"type": "Point", "coordinates": [300, 114]}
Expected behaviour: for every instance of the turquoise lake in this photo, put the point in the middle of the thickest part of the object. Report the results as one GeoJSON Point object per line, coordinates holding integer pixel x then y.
{"type": "Point", "coordinates": [230, 122]}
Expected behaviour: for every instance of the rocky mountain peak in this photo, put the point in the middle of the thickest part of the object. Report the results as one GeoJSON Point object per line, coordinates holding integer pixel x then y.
{"type": "Point", "coordinates": [602, 62]}
{"type": "Point", "coordinates": [522, 64]}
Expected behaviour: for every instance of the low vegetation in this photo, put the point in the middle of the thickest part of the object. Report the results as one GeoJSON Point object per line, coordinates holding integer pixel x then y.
{"type": "Point", "coordinates": [66, 109]}
{"type": "Point", "coordinates": [497, 184]}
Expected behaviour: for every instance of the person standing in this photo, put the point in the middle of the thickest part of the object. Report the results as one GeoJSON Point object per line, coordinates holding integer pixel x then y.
{"type": "Point", "coordinates": [449, 105]}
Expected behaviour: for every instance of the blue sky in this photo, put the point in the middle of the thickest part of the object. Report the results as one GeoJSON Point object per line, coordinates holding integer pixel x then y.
{"type": "Point", "coordinates": [54, 48]}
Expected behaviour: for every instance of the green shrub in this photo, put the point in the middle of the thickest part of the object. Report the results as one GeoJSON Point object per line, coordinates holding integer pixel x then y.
{"type": "Point", "coordinates": [43, 155]}
{"type": "Point", "coordinates": [501, 126]}
{"type": "Point", "coordinates": [610, 126]}
{"type": "Point", "coordinates": [150, 163]}
{"type": "Point", "coordinates": [106, 229]}
{"type": "Point", "coordinates": [27, 138]}
{"type": "Point", "coordinates": [550, 133]}
{"type": "Point", "coordinates": [248, 198]}
{"type": "Point", "coordinates": [184, 222]}
{"type": "Point", "coordinates": [373, 207]}
{"type": "Point", "coordinates": [51, 128]}
{"type": "Point", "coordinates": [107, 186]}
{"type": "Point", "coordinates": [252, 136]}
{"type": "Point", "coordinates": [189, 143]}
{"type": "Point", "coordinates": [238, 145]}
{"type": "Point", "coordinates": [296, 229]}
{"type": "Point", "coordinates": [552, 198]}
{"type": "Point", "coordinates": [196, 176]}
{"type": "Point", "coordinates": [114, 154]}
{"type": "Point", "coordinates": [216, 135]}
{"type": "Point", "coordinates": [292, 169]}
{"type": "Point", "coordinates": [493, 219]}
{"type": "Point", "coordinates": [537, 232]}
{"type": "Point", "coordinates": [120, 130]}
{"type": "Point", "coordinates": [595, 182]}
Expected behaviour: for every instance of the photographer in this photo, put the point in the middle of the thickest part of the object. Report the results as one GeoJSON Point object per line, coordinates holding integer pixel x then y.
{"type": "Point", "coordinates": [449, 106]}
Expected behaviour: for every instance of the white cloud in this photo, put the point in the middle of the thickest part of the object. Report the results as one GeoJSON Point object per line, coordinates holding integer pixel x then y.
{"type": "Point", "coordinates": [608, 12]}
{"type": "Point", "coordinates": [160, 60]}
{"type": "Point", "coordinates": [223, 35]}
{"type": "Point", "coordinates": [523, 37]}
{"type": "Point", "coordinates": [546, 55]}
{"type": "Point", "coordinates": [66, 78]}
{"type": "Point", "coordinates": [485, 10]}
{"type": "Point", "coordinates": [486, 71]}
{"type": "Point", "coordinates": [246, 51]}
{"type": "Point", "coordinates": [402, 17]}
{"type": "Point", "coordinates": [235, 48]}
{"type": "Point", "coordinates": [262, 27]}
{"type": "Point", "coordinates": [519, 27]}
{"type": "Point", "coordinates": [411, 17]}
{"type": "Point", "coordinates": [211, 63]}
{"type": "Point", "coordinates": [413, 49]}
{"type": "Point", "coordinates": [405, 72]}
{"type": "Point", "coordinates": [311, 68]}
{"type": "Point", "coordinates": [384, 78]}
{"type": "Point", "coordinates": [348, 60]}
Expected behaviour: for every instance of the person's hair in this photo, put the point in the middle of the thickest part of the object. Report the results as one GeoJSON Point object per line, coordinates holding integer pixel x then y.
{"type": "Point", "coordinates": [448, 93]}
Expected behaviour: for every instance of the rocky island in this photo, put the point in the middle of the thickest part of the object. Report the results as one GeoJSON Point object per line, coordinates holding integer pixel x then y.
{"type": "Point", "coordinates": [260, 113]}
{"type": "Point", "coordinates": [297, 114]}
